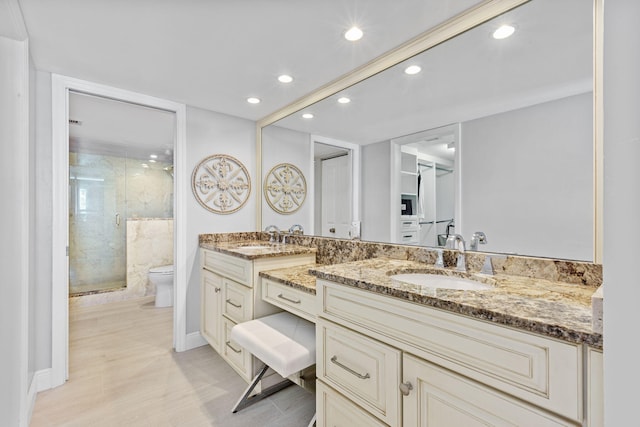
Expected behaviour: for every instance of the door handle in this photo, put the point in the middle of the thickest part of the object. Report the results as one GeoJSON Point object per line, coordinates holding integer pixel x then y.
{"type": "Point", "coordinates": [332, 230]}
{"type": "Point", "coordinates": [117, 220]}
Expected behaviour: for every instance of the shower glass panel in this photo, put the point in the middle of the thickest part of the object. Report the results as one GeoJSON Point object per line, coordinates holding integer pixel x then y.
{"type": "Point", "coordinates": [97, 230]}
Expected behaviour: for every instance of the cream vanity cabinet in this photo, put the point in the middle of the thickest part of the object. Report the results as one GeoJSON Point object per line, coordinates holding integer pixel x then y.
{"type": "Point", "coordinates": [231, 294]}
{"type": "Point", "coordinates": [405, 364]}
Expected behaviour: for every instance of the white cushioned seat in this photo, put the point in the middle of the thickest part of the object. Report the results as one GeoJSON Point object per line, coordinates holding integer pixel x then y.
{"type": "Point", "coordinates": [283, 341]}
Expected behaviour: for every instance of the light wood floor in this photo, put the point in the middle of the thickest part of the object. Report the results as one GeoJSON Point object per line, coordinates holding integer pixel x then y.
{"type": "Point", "coordinates": [124, 372]}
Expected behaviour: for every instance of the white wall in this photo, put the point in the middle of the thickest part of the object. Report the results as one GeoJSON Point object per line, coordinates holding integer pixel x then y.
{"type": "Point", "coordinates": [376, 192]}
{"type": "Point", "coordinates": [44, 219]}
{"type": "Point", "coordinates": [14, 249]}
{"type": "Point", "coordinates": [211, 133]}
{"type": "Point", "coordinates": [280, 145]}
{"type": "Point", "coordinates": [621, 211]}
{"type": "Point", "coordinates": [527, 179]}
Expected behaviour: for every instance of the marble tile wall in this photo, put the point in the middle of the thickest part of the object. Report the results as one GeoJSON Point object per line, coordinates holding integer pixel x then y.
{"type": "Point", "coordinates": [149, 244]}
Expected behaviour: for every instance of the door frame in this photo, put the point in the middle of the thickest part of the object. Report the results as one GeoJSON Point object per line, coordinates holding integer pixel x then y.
{"type": "Point", "coordinates": [60, 87]}
{"type": "Point", "coordinates": [355, 175]}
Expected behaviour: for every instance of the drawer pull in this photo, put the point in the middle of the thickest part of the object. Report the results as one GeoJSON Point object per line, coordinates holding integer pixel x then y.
{"type": "Point", "coordinates": [217, 289]}
{"type": "Point", "coordinates": [405, 388]}
{"type": "Point", "coordinates": [289, 299]}
{"type": "Point", "coordinates": [334, 359]}
{"type": "Point", "coordinates": [229, 301]}
{"type": "Point", "coordinates": [235, 350]}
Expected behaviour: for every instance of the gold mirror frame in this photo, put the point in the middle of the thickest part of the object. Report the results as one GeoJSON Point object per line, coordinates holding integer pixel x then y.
{"type": "Point", "coordinates": [464, 21]}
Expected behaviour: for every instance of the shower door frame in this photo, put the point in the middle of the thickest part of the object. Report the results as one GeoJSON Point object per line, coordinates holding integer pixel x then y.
{"type": "Point", "coordinates": [60, 88]}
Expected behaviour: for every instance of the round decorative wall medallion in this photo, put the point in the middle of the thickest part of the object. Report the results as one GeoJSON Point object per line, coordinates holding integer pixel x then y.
{"type": "Point", "coordinates": [285, 188]}
{"type": "Point", "coordinates": [221, 184]}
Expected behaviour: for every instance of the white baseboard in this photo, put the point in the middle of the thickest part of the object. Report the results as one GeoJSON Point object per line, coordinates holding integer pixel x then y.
{"type": "Point", "coordinates": [194, 340]}
{"type": "Point", "coordinates": [41, 381]}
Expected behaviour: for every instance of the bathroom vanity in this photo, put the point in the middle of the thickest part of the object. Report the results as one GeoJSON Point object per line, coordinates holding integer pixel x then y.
{"type": "Point", "coordinates": [391, 350]}
{"type": "Point", "coordinates": [399, 354]}
{"type": "Point", "coordinates": [231, 292]}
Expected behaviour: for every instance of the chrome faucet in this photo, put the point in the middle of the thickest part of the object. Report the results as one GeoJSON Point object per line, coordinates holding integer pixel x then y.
{"type": "Point", "coordinates": [296, 229]}
{"type": "Point", "coordinates": [478, 237]}
{"type": "Point", "coordinates": [274, 233]}
{"type": "Point", "coordinates": [456, 241]}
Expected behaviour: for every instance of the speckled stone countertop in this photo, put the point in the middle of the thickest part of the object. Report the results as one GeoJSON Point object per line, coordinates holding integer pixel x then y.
{"type": "Point", "coordinates": [296, 277]}
{"type": "Point", "coordinates": [254, 249]}
{"type": "Point", "coordinates": [555, 309]}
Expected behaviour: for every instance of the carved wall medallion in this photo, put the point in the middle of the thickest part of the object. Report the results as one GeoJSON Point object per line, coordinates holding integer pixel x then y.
{"type": "Point", "coordinates": [221, 184]}
{"type": "Point", "coordinates": [285, 188]}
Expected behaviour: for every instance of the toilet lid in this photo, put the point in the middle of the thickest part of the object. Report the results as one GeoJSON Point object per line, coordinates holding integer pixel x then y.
{"type": "Point", "coordinates": [165, 269]}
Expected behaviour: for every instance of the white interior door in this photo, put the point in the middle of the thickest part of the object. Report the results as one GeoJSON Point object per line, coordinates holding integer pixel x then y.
{"type": "Point", "coordinates": [336, 197]}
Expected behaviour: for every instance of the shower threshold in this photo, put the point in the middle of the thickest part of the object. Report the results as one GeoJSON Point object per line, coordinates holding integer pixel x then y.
{"type": "Point", "coordinates": [99, 288]}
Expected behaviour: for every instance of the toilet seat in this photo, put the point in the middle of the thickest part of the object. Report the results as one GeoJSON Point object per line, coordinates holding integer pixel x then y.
{"type": "Point", "coordinates": [162, 270]}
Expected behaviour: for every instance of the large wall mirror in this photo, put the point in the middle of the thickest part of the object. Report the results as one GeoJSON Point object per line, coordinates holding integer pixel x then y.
{"type": "Point", "coordinates": [492, 135]}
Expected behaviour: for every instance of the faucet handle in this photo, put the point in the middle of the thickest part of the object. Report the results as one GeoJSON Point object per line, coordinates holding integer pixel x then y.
{"type": "Point", "coordinates": [440, 260]}
{"type": "Point", "coordinates": [487, 267]}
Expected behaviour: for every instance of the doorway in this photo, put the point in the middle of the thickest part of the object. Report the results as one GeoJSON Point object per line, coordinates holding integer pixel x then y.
{"type": "Point", "coordinates": [120, 197]}
{"type": "Point", "coordinates": [336, 188]}
{"type": "Point", "coordinates": [62, 86]}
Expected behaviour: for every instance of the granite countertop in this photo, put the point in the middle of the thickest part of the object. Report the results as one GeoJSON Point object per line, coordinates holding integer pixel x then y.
{"type": "Point", "coordinates": [296, 277]}
{"type": "Point", "coordinates": [555, 309]}
{"type": "Point", "coordinates": [254, 249]}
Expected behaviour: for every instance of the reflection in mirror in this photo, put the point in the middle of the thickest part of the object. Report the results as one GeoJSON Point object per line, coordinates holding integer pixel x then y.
{"type": "Point", "coordinates": [518, 113]}
{"type": "Point", "coordinates": [332, 174]}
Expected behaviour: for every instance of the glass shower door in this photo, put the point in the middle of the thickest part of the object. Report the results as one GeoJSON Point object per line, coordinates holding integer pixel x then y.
{"type": "Point", "coordinates": [97, 227]}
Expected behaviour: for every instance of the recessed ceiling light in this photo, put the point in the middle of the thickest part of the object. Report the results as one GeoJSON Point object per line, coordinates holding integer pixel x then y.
{"type": "Point", "coordinates": [503, 32]}
{"type": "Point", "coordinates": [144, 165]}
{"type": "Point", "coordinates": [285, 78]}
{"type": "Point", "coordinates": [253, 100]}
{"type": "Point", "coordinates": [151, 161]}
{"type": "Point", "coordinates": [412, 69]}
{"type": "Point", "coordinates": [344, 100]}
{"type": "Point", "coordinates": [307, 116]}
{"type": "Point", "coordinates": [353, 34]}
{"type": "Point", "coordinates": [153, 156]}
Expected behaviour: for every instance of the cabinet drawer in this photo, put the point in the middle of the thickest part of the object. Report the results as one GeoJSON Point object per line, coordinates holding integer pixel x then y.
{"type": "Point", "coordinates": [238, 269]}
{"type": "Point", "coordinates": [336, 411]}
{"type": "Point", "coordinates": [234, 354]}
{"type": "Point", "coordinates": [537, 369]}
{"type": "Point", "coordinates": [238, 301]}
{"type": "Point", "coordinates": [298, 302]}
{"type": "Point", "coordinates": [408, 225]}
{"type": "Point", "coordinates": [364, 370]}
{"type": "Point", "coordinates": [408, 236]}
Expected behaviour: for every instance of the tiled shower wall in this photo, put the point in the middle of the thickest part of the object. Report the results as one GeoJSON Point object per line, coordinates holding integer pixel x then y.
{"type": "Point", "coordinates": [100, 188]}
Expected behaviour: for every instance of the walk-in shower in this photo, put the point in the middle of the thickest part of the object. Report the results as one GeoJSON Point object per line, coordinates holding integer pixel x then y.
{"type": "Point", "coordinates": [120, 170]}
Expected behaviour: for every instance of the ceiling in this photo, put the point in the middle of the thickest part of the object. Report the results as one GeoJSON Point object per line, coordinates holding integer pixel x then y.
{"type": "Point", "coordinates": [108, 127]}
{"type": "Point", "coordinates": [214, 54]}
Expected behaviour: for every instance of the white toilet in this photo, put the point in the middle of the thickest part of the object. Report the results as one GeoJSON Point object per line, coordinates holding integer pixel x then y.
{"type": "Point", "coordinates": [162, 278]}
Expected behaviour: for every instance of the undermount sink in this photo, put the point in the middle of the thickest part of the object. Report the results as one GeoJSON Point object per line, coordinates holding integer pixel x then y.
{"type": "Point", "coordinates": [255, 247]}
{"type": "Point", "coordinates": [439, 281]}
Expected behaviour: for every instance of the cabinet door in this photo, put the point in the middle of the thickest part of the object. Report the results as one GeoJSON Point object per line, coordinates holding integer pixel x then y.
{"type": "Point", "coordinates": [438, 397]}
{"type": "Point", "coordinates": [211, 318]}
{"type": "Point", "coordinates": [595, 380]}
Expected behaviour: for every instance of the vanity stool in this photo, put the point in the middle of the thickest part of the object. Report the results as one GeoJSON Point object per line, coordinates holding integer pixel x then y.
{"type": "Point", "coordinates": [284, 342]}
